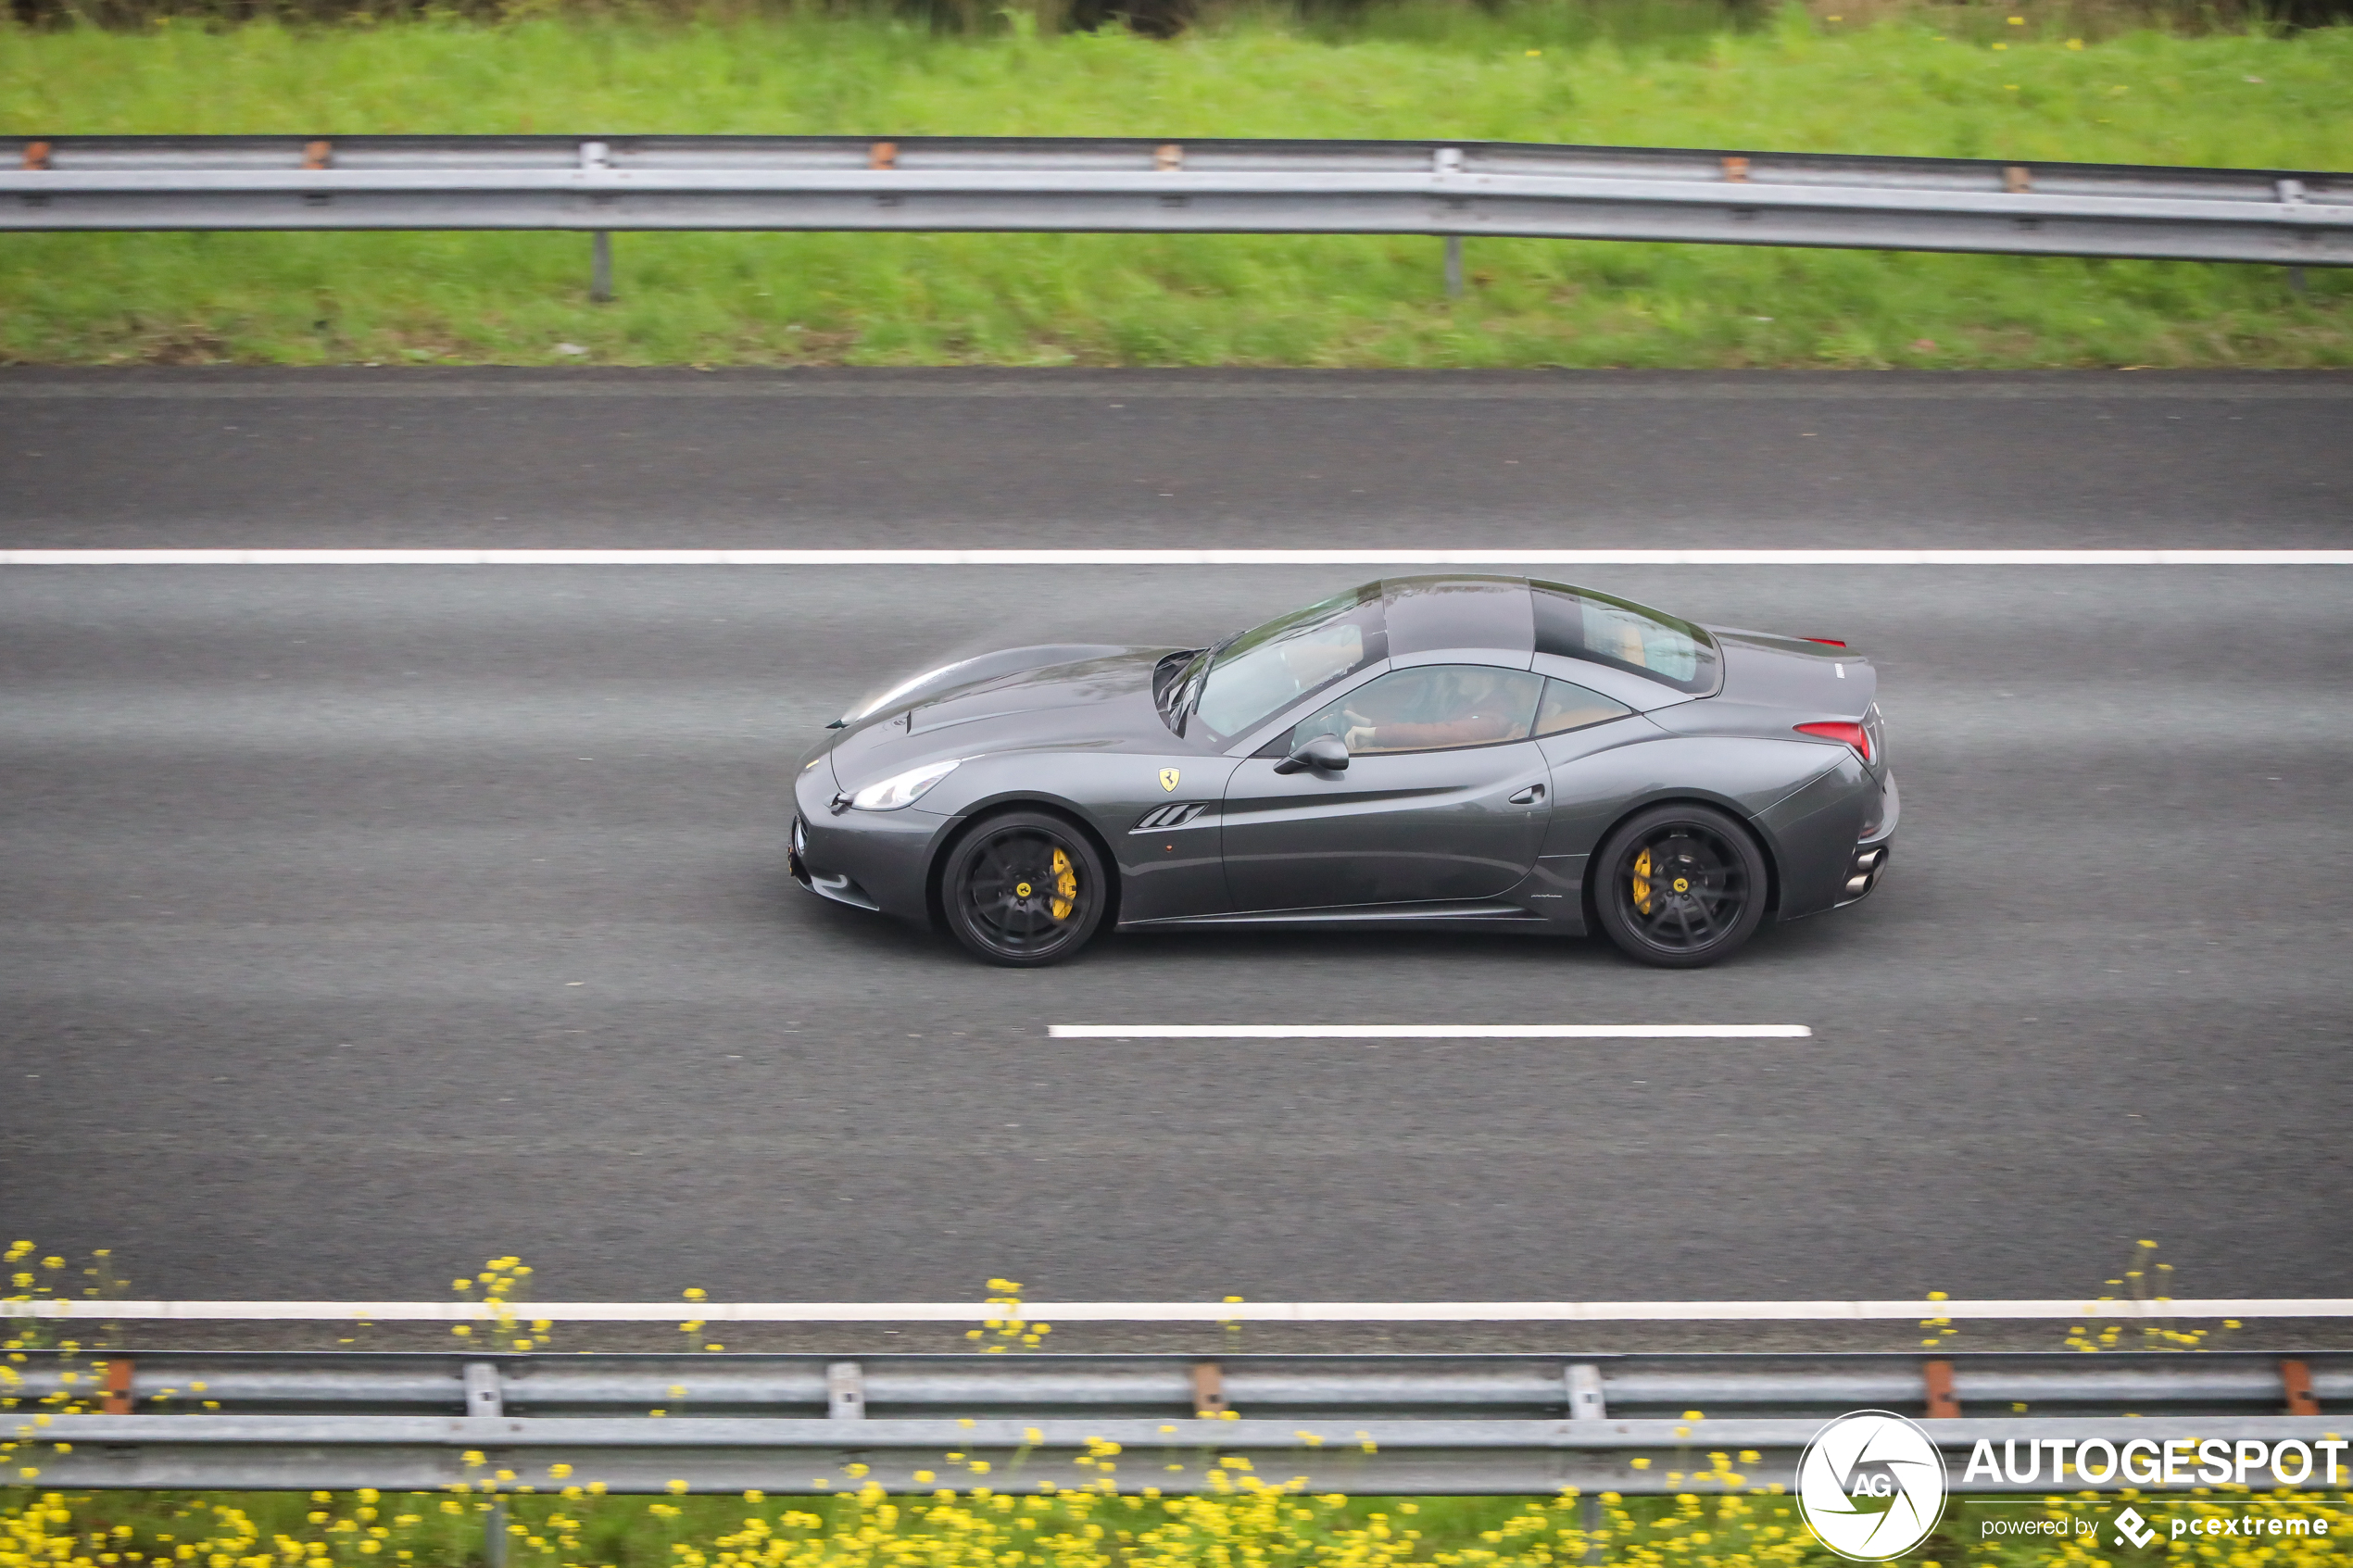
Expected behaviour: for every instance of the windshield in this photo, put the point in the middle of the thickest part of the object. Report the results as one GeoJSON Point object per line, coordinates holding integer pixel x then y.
{"type": "Point", "coordinates": [1580, 623]}
{"type": "Point", "coordinates": [1252, 677]}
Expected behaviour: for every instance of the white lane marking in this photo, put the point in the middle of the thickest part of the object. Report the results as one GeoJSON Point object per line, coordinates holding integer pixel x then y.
{"type": "Point", "coordinates": [1428, 1032]}
{"type": "Point", "coordinates": [1183, 1311]}
{"type": "Point", "coordinates": [1175, 558]}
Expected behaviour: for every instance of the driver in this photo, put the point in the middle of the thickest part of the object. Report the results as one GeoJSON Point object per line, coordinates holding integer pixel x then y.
{"type": "Point", "coordinates": [1462, 707]}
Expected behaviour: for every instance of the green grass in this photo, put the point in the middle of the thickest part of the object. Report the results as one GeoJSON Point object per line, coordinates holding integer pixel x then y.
{"type": "Point", "coordinates": [1628, 71]}
{"type": "Point", "coordinates": [1018, 1528]}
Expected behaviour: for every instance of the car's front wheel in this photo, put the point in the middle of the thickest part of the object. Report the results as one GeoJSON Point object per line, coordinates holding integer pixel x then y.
{"type": "Point", "coordinates": [1023, 888]}
{"type": "Point", "coordinates": [1679, 886]}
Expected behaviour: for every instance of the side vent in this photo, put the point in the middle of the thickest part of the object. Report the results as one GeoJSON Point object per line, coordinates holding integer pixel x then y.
{"type": "Point", "coordinates": [1162, 817]}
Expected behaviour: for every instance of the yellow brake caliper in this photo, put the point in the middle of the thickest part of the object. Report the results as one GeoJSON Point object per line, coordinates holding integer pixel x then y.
{"type": "Point", "coordinates": [1641, 881]}
{"type": "Point", "coordinates": [1066, 887]}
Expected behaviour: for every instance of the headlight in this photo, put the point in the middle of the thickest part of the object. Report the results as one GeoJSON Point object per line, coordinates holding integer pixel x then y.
{"type": "Point", "coordinates": [902, 789]}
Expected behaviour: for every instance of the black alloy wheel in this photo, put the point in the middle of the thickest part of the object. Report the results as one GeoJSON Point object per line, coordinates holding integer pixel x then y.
{"type": "Point", "coordinates": [1023, 889]}
{"type": "Point", "coordinates": [1679, 886]}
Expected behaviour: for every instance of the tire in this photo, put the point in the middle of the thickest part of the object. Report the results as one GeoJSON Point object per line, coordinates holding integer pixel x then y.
{"type": "Point", "coordinates": [1679, 886]}
{"type": "Point", "coordinates": [1023, 889]}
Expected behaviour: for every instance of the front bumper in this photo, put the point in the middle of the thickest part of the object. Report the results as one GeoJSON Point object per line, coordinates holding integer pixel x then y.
{"type": "Point", "coordinates": [878, 861]}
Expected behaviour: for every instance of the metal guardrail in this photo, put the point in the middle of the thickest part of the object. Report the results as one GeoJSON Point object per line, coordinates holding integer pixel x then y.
{"type": "Point", "coordinates": [1390, 1424]}
{"type": "Point", "coordinates": [2294, 217]}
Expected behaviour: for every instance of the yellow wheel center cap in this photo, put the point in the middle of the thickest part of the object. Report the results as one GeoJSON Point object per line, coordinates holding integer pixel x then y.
{"type": "Point", "coordinates": [1682, 885]}
{"type": "Point", "coordinates": [1021, 890]}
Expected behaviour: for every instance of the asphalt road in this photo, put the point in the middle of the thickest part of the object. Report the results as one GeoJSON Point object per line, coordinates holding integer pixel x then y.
{"type": "Point", "coordinates": [357, 924]}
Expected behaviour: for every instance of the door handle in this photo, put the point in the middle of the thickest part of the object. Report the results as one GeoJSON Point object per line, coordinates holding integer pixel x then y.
{"type": "Point", "coordinates": [1527, 797]}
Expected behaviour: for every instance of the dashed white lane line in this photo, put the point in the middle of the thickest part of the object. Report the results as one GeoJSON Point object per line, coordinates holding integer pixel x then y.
{"type": "Point", "coordinates": [1173, 558]}
{"type": "Point", "coordinates": [1185, 1311]}
{"type": "Point", "coordinates": [1428, 1031]}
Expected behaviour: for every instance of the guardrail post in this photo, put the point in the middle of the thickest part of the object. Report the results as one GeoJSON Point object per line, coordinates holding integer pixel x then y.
{"type": "Point", "coordinates": [1943, 1403]}
{"type": "Point", "coordinates": [1446, 163]}
{"type": "Point", "coordinates": [1209, 1388]}
{"type": "Point", "coordinates": [119, 1374]}
{"type": "Point", "coordinates": [598, 155]}
{"type": "Point", "coordinates": [846, 1391]}
{"type": "Point", "coordinates": [1586, 1403]}
{"type": "Point", "coordinates": [2295, 1382]}
{"type": "Point", "coordinates": [483, 1393]}
{"type": "Point", "coordinates": [600, 267]}
{"type": "Point", "coordinates": [494, 1533]}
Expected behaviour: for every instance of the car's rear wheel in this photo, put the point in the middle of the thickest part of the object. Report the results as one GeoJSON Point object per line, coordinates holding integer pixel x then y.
{"type": "Point", "coordinates": [1679, 886]}
{"type": "Point", "coordinates": [1023, 888]}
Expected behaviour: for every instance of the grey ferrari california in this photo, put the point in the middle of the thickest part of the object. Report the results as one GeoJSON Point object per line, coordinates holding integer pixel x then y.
{"type": "Point", "coordinates": [1423, 752]}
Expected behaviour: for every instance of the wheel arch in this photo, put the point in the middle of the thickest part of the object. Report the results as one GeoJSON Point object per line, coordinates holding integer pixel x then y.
{"type": "Point", "coordinates": [1589, 897]}
{"type": "Point", "coordinates": [935, 899]}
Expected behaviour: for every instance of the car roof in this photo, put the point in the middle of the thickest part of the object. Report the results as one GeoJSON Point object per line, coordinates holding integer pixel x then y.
{"type": "Point", "coordinates": [1426, 614]}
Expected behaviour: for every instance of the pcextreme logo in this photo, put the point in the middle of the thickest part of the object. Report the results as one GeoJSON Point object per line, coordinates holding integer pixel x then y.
{"type": "Point", "coordinates": [2132, 1529]}
{"type": "Point", "coordinates": [1872, 1486]}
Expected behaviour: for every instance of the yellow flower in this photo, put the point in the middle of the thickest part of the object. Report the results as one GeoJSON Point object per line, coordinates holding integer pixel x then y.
{"type": "Point", "coordinates": [675, 1488]}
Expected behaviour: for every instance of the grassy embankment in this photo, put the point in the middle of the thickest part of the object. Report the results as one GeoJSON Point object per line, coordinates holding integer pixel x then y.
{"type": "Point", "coordinates": [1960, 83]}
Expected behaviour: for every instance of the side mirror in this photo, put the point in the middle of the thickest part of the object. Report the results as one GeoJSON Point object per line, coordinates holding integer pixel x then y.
{"type": "Point", "coordinates": [1325, 754]}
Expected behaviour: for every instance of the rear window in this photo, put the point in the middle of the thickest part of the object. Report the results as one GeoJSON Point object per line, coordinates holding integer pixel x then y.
{"type": "Point", "coordinates": [1580, 623]}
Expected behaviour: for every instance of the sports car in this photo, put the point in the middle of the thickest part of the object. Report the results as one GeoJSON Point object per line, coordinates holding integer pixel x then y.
{"type": "Point", "coordinates": [1423, 753]}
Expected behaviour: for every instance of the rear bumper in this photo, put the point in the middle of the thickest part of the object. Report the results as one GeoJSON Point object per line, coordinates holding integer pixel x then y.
{"type": "Point", "coordinates": [1871, 853]}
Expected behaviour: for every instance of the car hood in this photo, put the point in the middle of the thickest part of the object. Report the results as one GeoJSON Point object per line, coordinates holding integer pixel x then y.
{"type": "Point", "coordinates": [1101, 701]}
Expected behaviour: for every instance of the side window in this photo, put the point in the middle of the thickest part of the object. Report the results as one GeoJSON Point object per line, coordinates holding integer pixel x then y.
{"type": "Point", "coordinates": [1572, 708]}
{"type": "Point", "coordinates": [1428, 708]}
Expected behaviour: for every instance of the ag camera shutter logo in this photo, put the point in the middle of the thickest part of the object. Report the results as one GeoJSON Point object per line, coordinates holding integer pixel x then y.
{"type": "Point", "coordinates": [1872, 1486]}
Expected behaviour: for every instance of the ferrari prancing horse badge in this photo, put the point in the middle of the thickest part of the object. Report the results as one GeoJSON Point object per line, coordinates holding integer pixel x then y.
{"type": "Point", "coordinates": [1168, 779]}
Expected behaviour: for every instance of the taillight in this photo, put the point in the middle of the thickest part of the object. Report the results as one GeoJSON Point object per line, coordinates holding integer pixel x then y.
{"type": "Point", "coordinates": [1826, 642]}
{"type": "Point", "coordinates": [1853, 735]}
